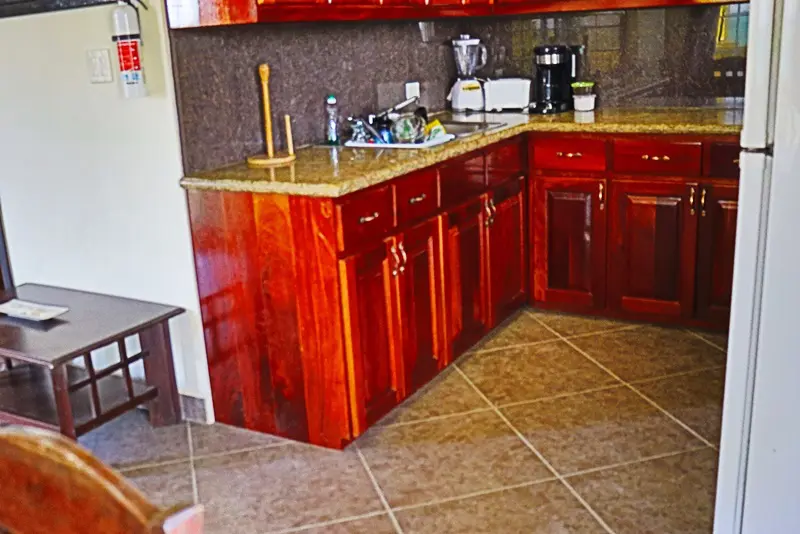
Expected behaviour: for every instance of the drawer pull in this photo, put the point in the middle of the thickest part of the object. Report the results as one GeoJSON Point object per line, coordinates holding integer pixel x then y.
{"type": "Point", "coordinates": [404, 255]}
{"type": "Point", "coordinates": [368, 218]}
{"type": "Point", "coordinates": [602, 201]}
{"type": "Point", "coordinates": [396, 260]}
{"type": "Point", "coordinates": [569, 155]}
{"type": "Point", "coordinates": [736, 161]}
{"type": "Point", "coordinates": [703, 202]}
{"type": "Point", "coordinates": [417, 199]}
{"type": "Point", "coordinates": [655, 158]}
{"type": "Point", "coordinates": [692, 192]}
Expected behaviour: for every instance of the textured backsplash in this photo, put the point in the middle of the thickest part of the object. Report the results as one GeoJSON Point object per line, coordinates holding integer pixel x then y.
{"type": "Point", "coordinates": [654, 56]}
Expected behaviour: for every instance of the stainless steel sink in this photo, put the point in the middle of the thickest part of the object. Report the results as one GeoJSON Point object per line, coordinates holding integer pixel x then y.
{"type": "Point", "coordinates": [467, 128]}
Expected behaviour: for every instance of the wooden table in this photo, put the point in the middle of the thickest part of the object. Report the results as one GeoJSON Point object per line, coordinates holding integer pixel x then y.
{"type": "Point", "coordinates": [42, 389]}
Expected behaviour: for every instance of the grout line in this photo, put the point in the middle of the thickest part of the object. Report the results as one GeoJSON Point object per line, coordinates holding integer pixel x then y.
{"type": "Point", "coordinates": [675, 375]}
{"type": "Point", "coordinates": [195, 491]}
{"type": "Point", "coordinates": [474, 494]}
{"type": "Point", "coordinates": [634, 390]}
{"type": "Point", "coordinates": [708, 341]}
{"type": "Point", "coordinates": [634, 462]}
{"type": "Point", "coordinates": [538, 454]}
{"type": "Point", "coordinates": [378, 490]}
{"type": "Point", "coordinates": [508, 347]}
{"type": "Point", "coordinates": [137, 467]}
{"type": "Point", "coordinates": [559, 396]}
{"type": "Point", "coordinates": [433, 418]}
{"type": "Point", "coordinates": [242, 450]}
{"type": "Point", "coordinates": [332, 522]}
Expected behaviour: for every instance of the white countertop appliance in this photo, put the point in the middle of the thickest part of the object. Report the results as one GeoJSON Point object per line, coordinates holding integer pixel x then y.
{"type": "Point", "coordinates": [507, 94]}
{"type": "Point", "coordinates": [470, 56]}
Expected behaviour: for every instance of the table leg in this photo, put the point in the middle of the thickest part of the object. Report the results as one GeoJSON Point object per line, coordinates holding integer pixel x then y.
{"type": "Point", "coordinates": [159, 371]}
{"type": "Point", "coordinates": [63, 406]}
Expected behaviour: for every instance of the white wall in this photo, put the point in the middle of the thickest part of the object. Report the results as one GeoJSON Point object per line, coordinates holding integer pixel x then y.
{"type": "Point", "coordinates": [89, 180]}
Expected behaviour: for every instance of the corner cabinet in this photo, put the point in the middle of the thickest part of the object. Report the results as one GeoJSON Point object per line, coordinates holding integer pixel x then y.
{"type": "Point", "coordinates": [507, 242]}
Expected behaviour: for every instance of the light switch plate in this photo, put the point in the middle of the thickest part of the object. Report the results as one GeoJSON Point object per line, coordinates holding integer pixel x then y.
{"type": "Point", "coordinates": [98, 63]}
{"type": "Point", "coordinates": [412, 90]}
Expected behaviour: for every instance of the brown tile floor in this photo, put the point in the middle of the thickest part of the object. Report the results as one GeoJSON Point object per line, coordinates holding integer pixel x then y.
{"type": "Point", "coordinates": [554, 424]}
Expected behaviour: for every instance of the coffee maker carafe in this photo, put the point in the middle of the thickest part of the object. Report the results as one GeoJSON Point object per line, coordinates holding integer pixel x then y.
{"type": "Point", "coordinates": [556, 69]}
{"type": "Point", "coordinates": [470, 56]}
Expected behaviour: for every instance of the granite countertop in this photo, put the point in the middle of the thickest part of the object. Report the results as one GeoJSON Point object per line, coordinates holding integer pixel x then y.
{"type": "Point", "coordinates": [337, 171]}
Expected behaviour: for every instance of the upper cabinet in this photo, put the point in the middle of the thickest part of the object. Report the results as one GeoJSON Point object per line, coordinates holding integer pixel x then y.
{"type": "Point", "coordinates": [197, 13]}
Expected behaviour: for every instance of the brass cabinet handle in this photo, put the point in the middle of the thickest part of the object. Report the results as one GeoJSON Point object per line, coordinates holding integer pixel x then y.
{"type": "Point", "coordinates": [405, 257]}
{"type": "Point", "coordinates": [396, 259]}
{"type": "Point", "coordinates": [600, 196]}
{"type": "Point", "coordinates": [488, 211]}
{"type": "Point", "coordinates": [692, 192]}
{"type": "Point", "coordinates": [417, 199]}
{"type": "Point", "coordinates": [736, 161]}
{"type": "Point", "coordinates": [703, 202]}
{"type": "Point", "coordinates": [569, 155]}
{"type": "Point", "coordinates": [368, 218]}
{"type": "Point", "coordinates": [655, 158]}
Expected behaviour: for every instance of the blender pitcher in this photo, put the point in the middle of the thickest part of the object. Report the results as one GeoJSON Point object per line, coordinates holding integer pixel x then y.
{"type": "Point", "coordinates": [470, 55]}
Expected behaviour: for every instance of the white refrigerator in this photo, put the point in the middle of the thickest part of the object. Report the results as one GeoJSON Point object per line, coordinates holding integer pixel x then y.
{"type": "Point", "coordinates": [758, 486]}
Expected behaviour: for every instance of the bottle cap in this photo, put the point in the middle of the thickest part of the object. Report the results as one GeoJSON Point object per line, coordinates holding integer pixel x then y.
{"type": "Point", "coordinates": [330, 99]}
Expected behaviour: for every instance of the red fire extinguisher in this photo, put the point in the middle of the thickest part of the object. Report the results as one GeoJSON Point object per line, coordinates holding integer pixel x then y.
{"type": "Point", "coordinates": [128, 39]}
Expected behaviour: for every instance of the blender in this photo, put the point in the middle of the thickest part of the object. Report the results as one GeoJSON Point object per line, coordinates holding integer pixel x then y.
{"type": "Point", "coordinates": [470, 56]}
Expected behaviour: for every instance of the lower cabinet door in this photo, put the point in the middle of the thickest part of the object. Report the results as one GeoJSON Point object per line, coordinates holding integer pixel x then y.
{"type": "Point", "coordinates": [466, 274]}
{"type": "Point", "coordinates": [421, 301]}
{"type": "Point", "coordinates": [372, 337]}
{"type": "Point", "coordinates": [507, 251]}
{"type": "Point", "coordinates": [653, 243]}
{"type": "Point", "coordinates": [719, 204]}
{"type": "Point", "coordinates": [568, 223]}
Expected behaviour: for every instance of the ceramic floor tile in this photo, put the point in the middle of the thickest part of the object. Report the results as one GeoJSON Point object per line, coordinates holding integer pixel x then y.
{"type": "Point", "coordinates": [650, 351]}
{"type": "Point", "coordinates": [164, 485]}
{"type": "Point", "coordinates": [533, 372]}
{"type": "Point", "coordinates": [673, 494]}
{"type": "Point", "coordinates": [447, 394]}
{"type": "Point", "coordinates": [283, 487]}
{"type": "Point", "coordinates": [542, 508]}
{"type": "Point", "coordinates": [220, 438]}
{"type": "Point", "coordinates": [718, 338]}
{"type": "Point", "coordinates": [448, 457]}
{"type": "Point", "coordinates": [695, 399]}
{"type": "Point", "coordinates": [521, 329]}
{"type": "Point", "coordinates": [572, 325]}
{"type": "Point", "coordinates": [130, 440]}
{"type": "Point", "coordinates": [380, 524]}
{"type": "Point", "coordinates": [598, 429]}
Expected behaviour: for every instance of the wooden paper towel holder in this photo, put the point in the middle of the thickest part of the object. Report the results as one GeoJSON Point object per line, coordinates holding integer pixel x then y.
{"type": "Point", "coordinates": [270, 159]}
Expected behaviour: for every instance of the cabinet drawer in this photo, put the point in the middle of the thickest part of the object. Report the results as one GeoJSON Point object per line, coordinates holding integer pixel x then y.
{"type": "Point", "coordinates": [658, 157]}
{"type": "Point", "coordinates": [417, 196]}
{"type": "Point", "coordinates": [723, 160]}
{"type": "Point", "coordinates": [462, 179]}
{"type": "Point", "coordinates": [569, 154]}
{"type": "Point", "coordinates": [364, 216]}
{"type": "Point", "coordinates": [504, 161]}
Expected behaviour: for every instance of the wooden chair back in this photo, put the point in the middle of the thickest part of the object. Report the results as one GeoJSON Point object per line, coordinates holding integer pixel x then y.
{"type": "Point", "coordinates": [50, 485]}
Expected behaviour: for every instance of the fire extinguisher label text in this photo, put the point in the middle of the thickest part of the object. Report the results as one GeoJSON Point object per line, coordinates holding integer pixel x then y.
{"type": "Point", "coordinates": [128, 53]}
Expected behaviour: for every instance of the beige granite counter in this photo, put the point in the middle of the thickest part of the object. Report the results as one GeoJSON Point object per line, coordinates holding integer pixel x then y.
{"type": "Point", "coordinates": [336, 171]}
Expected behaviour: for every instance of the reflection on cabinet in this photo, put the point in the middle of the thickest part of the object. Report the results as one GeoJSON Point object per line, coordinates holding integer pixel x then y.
{"type": "Point", "coordinates": [569, 241]}
{"type": "Point", "coordinates": [715, 251]}
{"type": "Point", "coordinates": [507, 250]}
{"type": "Point", "coordinates": [653, 240]}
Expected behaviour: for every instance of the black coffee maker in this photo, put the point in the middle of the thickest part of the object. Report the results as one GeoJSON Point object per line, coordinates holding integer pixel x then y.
{"type": "Point", "coordinates": [556, 69]}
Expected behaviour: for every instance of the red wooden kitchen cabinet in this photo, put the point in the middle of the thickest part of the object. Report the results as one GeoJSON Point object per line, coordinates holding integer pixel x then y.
{"type": "Point", "coordinates": [653, 245]}
{"type": "Point", "coordinates": [466, 273]}
{"type": "Point", "coordinates": [420, 283]}
{"type": "Point", "coordinates": [719, 203]}
{"type": "Point", "coordinates": [506, 239]}
{"type": "Point", "coordinates": [372, 335]}
{"type": "Point", "coordinates": [568, 225]}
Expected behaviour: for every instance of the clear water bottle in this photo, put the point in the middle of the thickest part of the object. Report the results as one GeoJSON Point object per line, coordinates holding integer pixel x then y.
{"type": "Point", "coordinates": [331, 121]}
